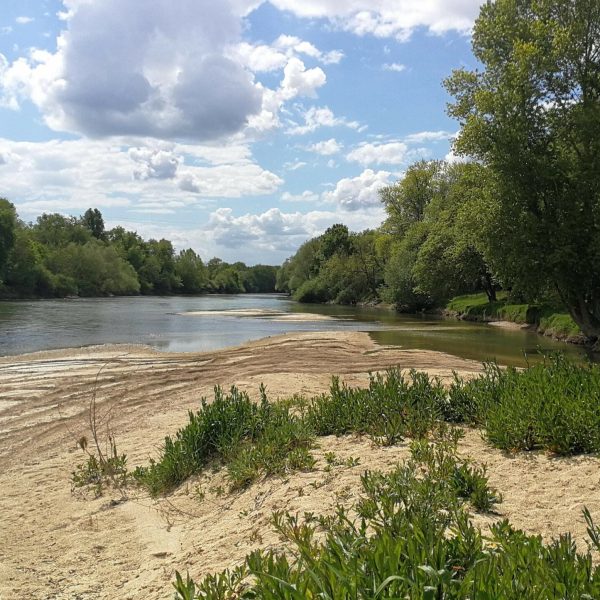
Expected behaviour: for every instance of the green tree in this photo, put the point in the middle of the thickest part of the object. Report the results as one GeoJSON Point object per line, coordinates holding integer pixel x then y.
{"type": "Point", "coordinates": [405, 201]}
{"type": "Point", "coordinates": [449, 262]}
{"type": "Point", "coordinates": [191, 271]}
{"type": "Point", "coordinates": [93, 221]}
{"type": "Point", "coordinates": [54, 230]}
{"type": "Point", "coordinates": [533, 116]}
{"type": "Point", "coordinates": [8, 225]}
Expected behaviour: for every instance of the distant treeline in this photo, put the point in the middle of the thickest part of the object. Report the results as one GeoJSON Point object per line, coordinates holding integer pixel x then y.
{"type": "Point", "coordinates": [61, 256]}
{"type": "Point", "coordinates": [428, 250]}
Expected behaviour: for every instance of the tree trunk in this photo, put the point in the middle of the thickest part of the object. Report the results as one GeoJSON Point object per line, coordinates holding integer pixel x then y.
{"type": "Point", "coordinates": [586, 313]}
{"type": "Point", "coordinates": [489, 288]}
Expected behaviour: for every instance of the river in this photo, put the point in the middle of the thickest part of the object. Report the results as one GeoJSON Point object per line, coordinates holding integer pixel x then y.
{"type": "Point", "coordinates": [162, 322]}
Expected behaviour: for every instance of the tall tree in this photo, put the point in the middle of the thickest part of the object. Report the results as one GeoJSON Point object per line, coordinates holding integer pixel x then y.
{"type": "Point", "coordinates": [92, 219]}
{"type": "Point", "coordinates": [8, 225]}
{"type": "Point", "coordinates": [533, 116]}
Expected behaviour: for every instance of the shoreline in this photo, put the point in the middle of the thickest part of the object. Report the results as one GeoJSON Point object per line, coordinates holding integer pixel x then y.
{"type": "Point", "coordinates": [57, 544]}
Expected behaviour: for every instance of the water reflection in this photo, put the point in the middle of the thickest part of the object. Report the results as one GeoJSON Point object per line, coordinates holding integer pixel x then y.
{"type": "Point", "coordinates": [27, 326]}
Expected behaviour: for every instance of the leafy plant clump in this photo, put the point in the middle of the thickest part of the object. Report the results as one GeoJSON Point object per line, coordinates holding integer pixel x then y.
{"type": "Point", "coordinates": [412, 538]}
{"type": "Point", "coordinates": [267, 438]}
{"type": "Point", "coordinates": [553, 406]}
{"type": "Point", "coordinates": [391, 408]}
{"type": "Point", "coordinates": [252, 439]}
{"type": "Point", "coordinates": [101, 469]}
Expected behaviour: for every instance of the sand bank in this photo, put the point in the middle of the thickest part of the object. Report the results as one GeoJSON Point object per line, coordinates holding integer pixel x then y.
{"type": "Point", "coordinates": [54, 544]}
{"type": "Point", "coordinates": [260, 313]}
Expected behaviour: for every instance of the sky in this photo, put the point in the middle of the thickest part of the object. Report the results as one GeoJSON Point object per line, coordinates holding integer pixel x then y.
{"type": "Point", "coordinates": [239, 128]}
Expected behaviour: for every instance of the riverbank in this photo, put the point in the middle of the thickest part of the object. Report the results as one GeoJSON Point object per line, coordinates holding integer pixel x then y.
{"type": "Point", "coordinates": [543, 319]}
{"type": "Point", "coordinates": [54, 544]}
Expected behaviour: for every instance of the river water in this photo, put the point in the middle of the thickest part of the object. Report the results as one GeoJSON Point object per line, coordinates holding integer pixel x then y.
{"type": "Point", "coordinates": [161, 322]}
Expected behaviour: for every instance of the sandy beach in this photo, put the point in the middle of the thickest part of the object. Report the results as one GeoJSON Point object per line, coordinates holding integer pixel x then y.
{"type": "Point", "coordinates": [55, 544]}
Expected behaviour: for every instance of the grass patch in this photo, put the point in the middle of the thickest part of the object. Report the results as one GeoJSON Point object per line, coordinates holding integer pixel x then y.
{"type": "Point", "coordinates": [256, 440]}
{"type": "Point", "coordinates": [476, 306]}
{"type": "Point", "coordinates": [549, 319]}
{"type": "Point", "coordinates": [557, 324]}
{"type": "Point", "coordinates": [251, 439]}
{"type": "Point", "coordinates": [554, 406]}
{"type": "Point", "coordinates": [412, 538]}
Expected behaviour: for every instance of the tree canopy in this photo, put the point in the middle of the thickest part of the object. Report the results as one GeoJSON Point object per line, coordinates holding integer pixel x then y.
{"type": "Point", "coordinates": [532, 115]}
{"type": "Point", "coordinates": [63, 256]}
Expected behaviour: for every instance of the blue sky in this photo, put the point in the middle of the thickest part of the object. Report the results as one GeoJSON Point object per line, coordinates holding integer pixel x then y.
{"type": "Point", "coordinates": [239, 128]}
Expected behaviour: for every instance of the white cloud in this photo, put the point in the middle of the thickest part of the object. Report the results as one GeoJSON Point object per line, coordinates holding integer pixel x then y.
{"type": "Point", "coordinates": [154, 164]}
{"type": "Point", "coordinates": [396, 67]}
{"type": "Point", "coordinates": [290, 43]}
{"type": "Point", "coordinates": [265, 58]}
{"type": "Point", "coordinates": [306, 196]}
{"type": "Point", "coordinates": [300, 81]}
{"type": "Point", "coordinates": [392, 153]}
{"type": "Point", "coordinates": [360, 192]}
{"type": "Point", "coordinates": [455, 158]}
{"type": "Point", "coordinates": [388, 18]}
{"type": "Point", "coordinates": [6, 30]}
{"type": "Point", "coordinates": [316, 117]}
{"type": "Point", "coordinates": [428, 136]}
{"type": "Point", "coordinates": [73, 175]}
{"type": "Point", "coordinates": [229, 181]}
{"type": "Point", "coordinates": [273, 235]}
{"type": "Point", "coordinates": [294, 166]}
{"type": "Point", "coordinates": [326, 147]}
{"type": "Point", "coordinates": [24, 20]}
{"type": "Point", "coordinates": [167, 74]}
{"type": "Point", "coordinates": [272, 228]}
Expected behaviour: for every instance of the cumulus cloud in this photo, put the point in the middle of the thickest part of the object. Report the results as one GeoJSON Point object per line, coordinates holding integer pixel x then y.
{"type": "Point", "coordinates": [300, 81]}
{"type": "Point", "coordinates": [316, 117]}
{"type": "Point", "coordinates": [326, 147]}
{"type": "Point", "coordinates": [392, 153]}
{"type": "Point", "coordinates": [154, 164]}
{"type": "Point", "coordinates": [272, 228]}
{"type": "Point", "coordinates": [230, 181]}
{"type": "Point", "coordinates": [72, 175]}
{"type": "Point", "coordinates": [273, 235]}
{"type": "Point", "coordinates": [354, 193]}
{"type": "Point", "coordinates": [388, 18]}
{"type": "Point", "coordinates": [24, 20]}
{"type": "Point", "coordinates": [160, 72]}
{"type": "Point", "coordinates": [265, 58]}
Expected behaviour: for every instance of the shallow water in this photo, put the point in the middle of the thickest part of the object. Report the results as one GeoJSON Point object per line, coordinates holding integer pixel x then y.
{"type": "Point", "coordinates": [28, 326]}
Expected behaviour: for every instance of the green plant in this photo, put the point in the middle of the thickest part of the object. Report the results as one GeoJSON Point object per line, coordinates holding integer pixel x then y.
{"type": "Point", "coordinates": [412, 538]}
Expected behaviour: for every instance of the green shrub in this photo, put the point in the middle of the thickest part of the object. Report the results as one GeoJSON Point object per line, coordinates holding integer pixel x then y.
{"type": "Point", "coordinates": [554, 405]}
{"type": "Point", "coordinates": [213, 432]}
{"type": "Point", "coordinates": [313, 291]}
{"type": "Point", "coordinates": [412, 539]}
{"type": "Point", "coordinates": [391, 408]}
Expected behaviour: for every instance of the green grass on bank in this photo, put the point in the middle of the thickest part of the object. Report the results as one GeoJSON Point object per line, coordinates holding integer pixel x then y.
{"type": "Point", "coordinates": [548, 319]}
